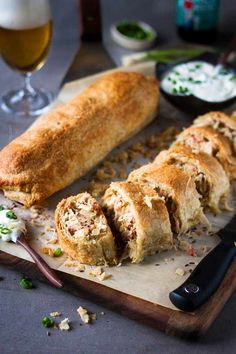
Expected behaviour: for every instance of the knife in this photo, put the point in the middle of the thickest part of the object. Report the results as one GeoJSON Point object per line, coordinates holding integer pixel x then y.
{"type": "Point", "coordinates": [208, 274]}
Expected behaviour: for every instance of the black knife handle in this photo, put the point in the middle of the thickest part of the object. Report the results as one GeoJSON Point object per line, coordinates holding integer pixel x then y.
{"type": "Point", "coordinates": [205, 278]}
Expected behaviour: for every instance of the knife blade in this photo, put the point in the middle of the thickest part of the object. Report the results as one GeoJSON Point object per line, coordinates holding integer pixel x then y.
{"type": "Point", "coordinates": [208, 274]}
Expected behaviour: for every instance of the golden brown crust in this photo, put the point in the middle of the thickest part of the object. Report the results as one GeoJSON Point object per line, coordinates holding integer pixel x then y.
{"type": "Point", "coordinates": [178, 186]}
{"type": "Point", "coordinates": [208, 140]}
{"type": "Point", "coordinates": [152, 223]}
{"type": "Point", "coordinates": [65, 143]}
{"type": "Point", "coordinates": [217, 181]}
{"type": "Point", "coordinates": [100, 250]}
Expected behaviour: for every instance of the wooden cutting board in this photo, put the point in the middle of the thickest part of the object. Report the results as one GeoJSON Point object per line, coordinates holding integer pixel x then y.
{"type": "Point", "coordinates": [140, 305]}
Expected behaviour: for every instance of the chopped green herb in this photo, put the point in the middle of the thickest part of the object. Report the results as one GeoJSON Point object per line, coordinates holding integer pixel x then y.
{"type": "Point", "coordinates": [174, 82]}
{"type": "Point", "coordinates": [4, 230]}
{"type": "Point", "coordinates": [192, 70]}
{"type": "Point", "coordinates": [26, 283]}
{"type": "Point", "coordinates": [198, 66]}
{"type": "Point", "coordinates": [11, 215]}
{"type": "Point", "coordinates": [57, 252]}
{"type": "Point", "coordinates": [183, 90]}
{"type": "Point", "coordinates": [133, 30]}
{"type": "Point", "coordinates": [47, 322]}
{"type": "Point", "coordinates": [190, 79]}
{"type": "Point", "coordinates": [175, 91]}
{"type": "Point", "coordinates": [233, 78]}
{"type": "Point", "coordinates": [1, 207]}
{"type": "Point", "coordinates": [197, 82]}
{"type": "Point", "coordinates": [176, 73]}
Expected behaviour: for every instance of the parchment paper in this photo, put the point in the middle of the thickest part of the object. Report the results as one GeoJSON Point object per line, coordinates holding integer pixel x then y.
{"type": "Point", "coordinates": [156, 276]}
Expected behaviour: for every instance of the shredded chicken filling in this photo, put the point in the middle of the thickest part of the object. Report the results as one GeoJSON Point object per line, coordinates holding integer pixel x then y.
{"type": "Point", "coordinates": [120, 213]}
{"type": "Point", "coordinates": [84, 218]}
{"type": "Point", "coordinates": [200, 180]}
{"type": "Point", "coordinates": [200, 143]}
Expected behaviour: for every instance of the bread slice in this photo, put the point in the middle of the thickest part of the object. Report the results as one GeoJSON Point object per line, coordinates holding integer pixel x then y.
{"type": "Point", "coordinates": [213, 143]}
{"type": "Point", "coordinates": [220, 122]}
{"type": "Point", "coordinates": [209, 176]}
{"type": "Point", "coordinates": [178, 191]}
{"type": "Point", "coordinates": [140, 219]}
{"type": "Point", "coordinates": [83, 231]}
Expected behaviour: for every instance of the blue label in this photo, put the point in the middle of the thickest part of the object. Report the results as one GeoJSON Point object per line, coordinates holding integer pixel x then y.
{"type": "Point", "coordinates": [197, 14]}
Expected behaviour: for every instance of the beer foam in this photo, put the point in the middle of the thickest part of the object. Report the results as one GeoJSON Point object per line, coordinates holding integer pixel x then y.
{"type": "Point", "coordinates": [24, 14]}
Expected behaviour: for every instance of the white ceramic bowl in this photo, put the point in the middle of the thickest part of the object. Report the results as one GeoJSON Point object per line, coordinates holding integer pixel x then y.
{"type": "Point", "coordinates": [134, 44]}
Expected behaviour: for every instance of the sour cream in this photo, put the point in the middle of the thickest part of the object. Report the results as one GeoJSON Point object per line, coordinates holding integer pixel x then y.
{"type": "Point", "coordinates": [11, 227]}
{"type": "Point", "coordinates": [201, 80]}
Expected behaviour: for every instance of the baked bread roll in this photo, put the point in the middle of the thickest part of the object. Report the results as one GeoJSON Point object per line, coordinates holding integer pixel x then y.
{"type": "Point", "coordinates": [83, 231]}
{"type": "Point", "coordinates": [178, 191]}
{"type": "Point", "coordinates": [140, 220]}
{"type": "Point", "coordinates": [209, 176]}
{"type": "Point", "coordinates": [207, 140]}
{"type": "Point", "coordinates": [67, 142]}
{"type": "Point", "coordinates": [221, 122]}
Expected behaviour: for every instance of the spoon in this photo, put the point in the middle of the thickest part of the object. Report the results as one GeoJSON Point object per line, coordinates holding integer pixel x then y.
{"type": "Point", "coordinates": [191, 103]}
{"type": "Point", "coordinates": [12, 228]}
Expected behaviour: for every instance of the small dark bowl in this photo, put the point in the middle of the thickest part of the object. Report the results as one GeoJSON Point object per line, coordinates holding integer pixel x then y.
{"type": "Point", "coordinates": [192, 104]}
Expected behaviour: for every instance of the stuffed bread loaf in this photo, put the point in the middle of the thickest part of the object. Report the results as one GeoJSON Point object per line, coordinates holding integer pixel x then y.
{"type": "Point", "coordinates": [83, 231]}
{"type": "Point", "coordinates": [67, 142]}
{"type": "Point", "coordinates": [209, 176]}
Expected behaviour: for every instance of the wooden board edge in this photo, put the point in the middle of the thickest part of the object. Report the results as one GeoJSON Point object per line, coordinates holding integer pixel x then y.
{"type": "Point", "coordinates": [176, 323]}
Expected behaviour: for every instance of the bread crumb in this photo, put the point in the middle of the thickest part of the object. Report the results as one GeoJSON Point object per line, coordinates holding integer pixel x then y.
{"type": "Point", "coordinates": [83, 313]}
{"type": "Point", "coordinates": [64, 325]}
{"type": "Point", "coordinates": [93, 316]}
{"type": "Point", "coordinates": [180, 271]}
{"type": "Point", "coordinates": [53, 241]}
{"type": "Point", "coordinates": [104, 276]}
{"type": "Point", "coordinates": [96, 271]}
{"type": "Point", "coordinates": [80, 268]}
{"type": "Point", "coordinates": [47, 250]}
{"type": "Point", "coordinates": [55, 314]}
{"type": "Point", "coordinates": [71, 264]}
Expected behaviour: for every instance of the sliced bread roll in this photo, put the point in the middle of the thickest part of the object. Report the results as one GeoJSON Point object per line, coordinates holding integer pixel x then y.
{"type": "Point", "coordinates": [210, 178]}
{"type": "Point", "coordinates": [177, 189]}
{"type": "Point", "coordinates": [83, 231]}
{"type": "Point", "coordinates": [140, 218]}
{"type": "Point", "coordinates": [208, 140]}
{"type": "Point", "coordinates": [221, 122]}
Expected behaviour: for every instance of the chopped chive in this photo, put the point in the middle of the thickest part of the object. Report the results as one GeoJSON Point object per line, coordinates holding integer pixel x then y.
{"type": "Point", "coordinates": [197, 82]}
{"type": "Point", "coordinates": [57, 252]}
{"type": "Point", "coordinates": [1, 207]}
{"type": "Point", "coordinates": [176, 73]}
{"type": "Point", "coordinates": [198, 66]}
{"type": "Point", "coordinates": [174, 90]}
{"type": "Point", "coordinates": [47, 322]}
{"type": "Point", "coordinates": [4, 230]}
{"type": "Point", "coordinates": [174, 82]}
{"type": "Point", "coordinates": [26, 283]}
{"type": "Point", "coordinates": [233, 78]}
{"type": "Point", "coordinates": [190, 79]}
{"type": "Point", "coordinates": [11, 215]}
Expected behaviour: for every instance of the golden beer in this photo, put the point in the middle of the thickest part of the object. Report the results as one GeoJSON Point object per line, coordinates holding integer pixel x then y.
{"type": "Point", "coordinates": [25, 49]}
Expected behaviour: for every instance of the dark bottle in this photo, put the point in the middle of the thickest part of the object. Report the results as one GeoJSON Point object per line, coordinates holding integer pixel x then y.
{"type": "Point", "coordinates": [197, 20]}
{"type": "Point", "coordinates": [90, 20]}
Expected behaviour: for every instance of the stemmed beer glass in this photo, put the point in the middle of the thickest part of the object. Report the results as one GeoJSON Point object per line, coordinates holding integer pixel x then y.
{"type": "Point", "coordinates": [25, 37]}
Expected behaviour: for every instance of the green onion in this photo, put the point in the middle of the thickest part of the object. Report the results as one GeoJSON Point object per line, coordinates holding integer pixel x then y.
{"type": "Point", "coordinates": [133, 30]}
{"type": "Point", "coordinates": [26, 283]}
{"type": "Point", "coordinates": [233, 78]}
{"type": "Point", "coordinates": [11, 215]}
{"type": "Point", "coordinates": [174, 90]}
{"type": "Point", "coordinates": [174, 82]}
{"type": "Point", "coordinates": [4, 230]}
{"type": "Point", "coordinates": [47, 322]}
{"type": "Point", "coordinates": [57, 252]}
{"type": "Point", "coordinates": [1, 207]}
{"type": "Point", "coordinates": [172, 55]}
{"type": "Point", "coordinates": [198, 66]}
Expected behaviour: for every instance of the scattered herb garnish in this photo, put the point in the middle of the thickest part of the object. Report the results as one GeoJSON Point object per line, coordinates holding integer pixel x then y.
{"type": "Point", "coordinates": [26, 283]}
{"type": "Point", "coordinates": [57, 252]}
{"type": "Point", "coordinates": [233, 78]}
{"type": "Point", "coordinates": [4, 230]}
{"type": "Point", "coordinates": [1, 207]}
{"type": "Point", "coordinates": [11, 215]}
{"type": "Point", "coordinates": [198, 66]}
{"type": "Point", "coordinates": [174, 82]}
{"type": "Point", "coordinates": [133, 30]}
{"type": "Point", "coordinates": [47, 322]}
{"type": "Point", "coordinates": [175, 90]}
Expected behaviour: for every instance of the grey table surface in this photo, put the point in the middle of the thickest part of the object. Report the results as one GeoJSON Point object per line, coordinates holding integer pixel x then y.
{"type": "Point", "coordinates": [21, 310]}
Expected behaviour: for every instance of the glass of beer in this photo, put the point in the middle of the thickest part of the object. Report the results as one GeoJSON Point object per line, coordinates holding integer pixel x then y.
{"type": "Point", "coordinates": [25, 36]}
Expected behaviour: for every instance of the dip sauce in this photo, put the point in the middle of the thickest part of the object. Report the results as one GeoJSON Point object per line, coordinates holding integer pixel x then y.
{"type": "Point", "coordinates": [202, 80]}
{"type": "Point", "coordinates": [11, 226]}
